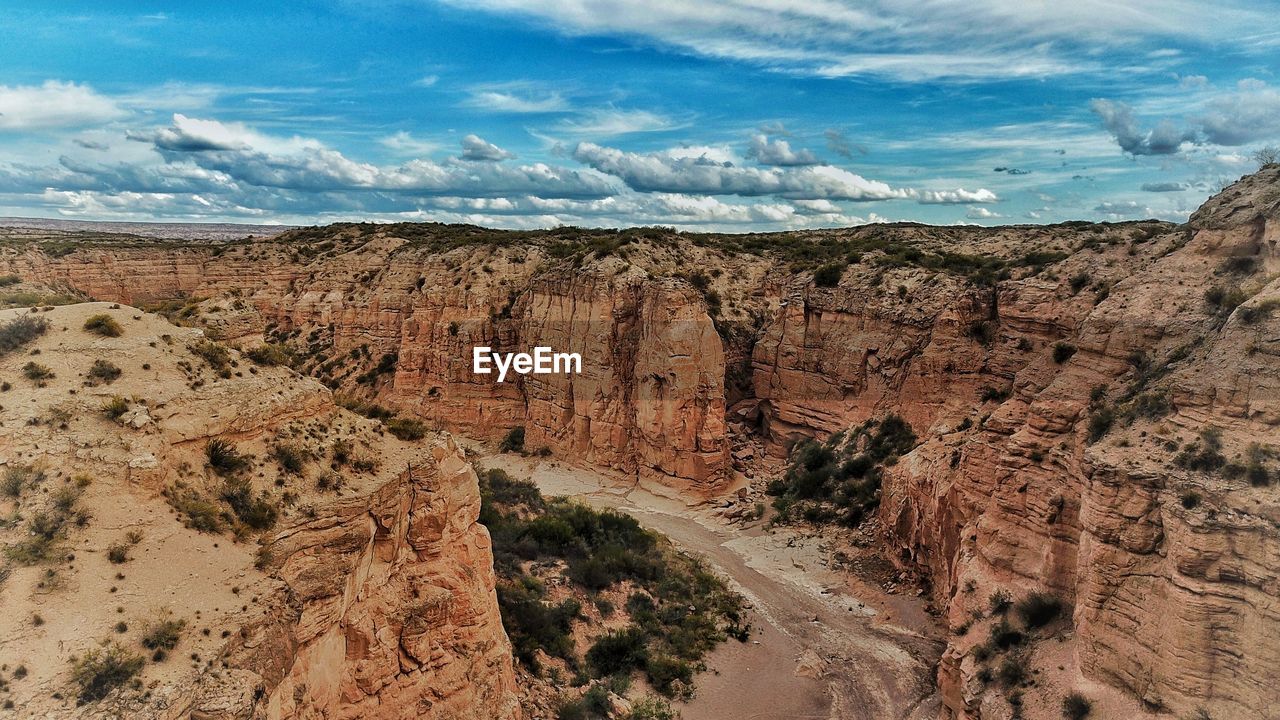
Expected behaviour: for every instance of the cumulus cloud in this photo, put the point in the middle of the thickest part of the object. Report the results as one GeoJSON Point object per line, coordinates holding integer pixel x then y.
{"type": "Point", "coordinates": [1123, 210]}
{"type": "Point", "coordinates": [981, 213]}
{"type": "Point", "coordinates": [839, 144]}
{"type": "Point", "coordinates": [778, 152]}
{"type": "Point", "coordinates": [403, 143]}
{"type": "Point", "coordinates": [1117, 118]}
{"type": "Point", "coordinates": [653, 172]}
{"type": "Point", "coordinates": [1249, 115]}
{"type": "Point", "coordinates": [54, 104]}
{"type": "Point", "coordinates": [477, 149]}
{"type": "Point", "coordinates": [959, 196]}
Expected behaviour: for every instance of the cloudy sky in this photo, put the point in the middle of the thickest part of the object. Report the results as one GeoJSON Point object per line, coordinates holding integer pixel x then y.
{"type": "Point", "coordinates": [733, 114]}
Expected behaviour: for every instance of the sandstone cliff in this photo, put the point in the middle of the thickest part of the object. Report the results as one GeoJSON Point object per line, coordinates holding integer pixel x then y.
{"type": "Point", "coordinates": [369, 591]}
{"type": "Point", "coordinates": [1074, 387]}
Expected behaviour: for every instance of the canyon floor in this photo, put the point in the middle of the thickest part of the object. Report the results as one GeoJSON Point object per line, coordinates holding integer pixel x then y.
{"type": "Point", "coordinates": [824, 643]}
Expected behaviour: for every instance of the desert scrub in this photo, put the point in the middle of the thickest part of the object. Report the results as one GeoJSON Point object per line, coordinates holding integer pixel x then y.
{"type": "Point", "coordinates": [1076, 707]}
{"type": "Point", "coordinates": [201, 514]}
{"type": "Point", "coordinates": [679, 609]}
{"type": "Point", "coordinates": [162, 636]}
{"type": "Point", "coordinates": [104, 325]}
{"type": "Point", "coordinates": [258, 512]}
{"type": "Point", "coordinates": [36, 372]}
{"type": "Point", "coordinates": [20, 331]}
{"type": "Point", "coordinates": [224, 458]}
{"type": "Point", "coordinates": [272, 354]}
{"type": "Point", "coordinates": [406, 429]}
{"type": "Point", "coordinates": [101, 670]}
{"type": "Point", "coordinates": [1038, 609]}
{"type": "Point", "coordinates": [214, 355]}
{"type": "Point", "coordinates": [103, 371]}
{"type": "Point", "coordinates": [18, 478]}
{"type": "Point", "coordinates": [293, 458]}
{"type": "Point", "coordinates": [834, 480]}
{"type": "Point", "coordinates": [513, 441]}
{"type": "Point", "coordinates": [115, 407]}
{"type": "Point", "coordinates": [1062, 352]}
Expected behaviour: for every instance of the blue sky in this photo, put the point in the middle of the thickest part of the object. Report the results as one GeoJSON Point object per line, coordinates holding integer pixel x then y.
{"type": "Point", "coordinates": [735, 115]}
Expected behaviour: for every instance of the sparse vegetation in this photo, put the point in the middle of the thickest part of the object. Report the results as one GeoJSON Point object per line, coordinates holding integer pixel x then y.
{"type": "Point", "coordinates": [1062, 352]}
{"type": "Point", "coordinates": [223, 457]}
{"type": "Point", "coordinates": [829, 275]}
{"type": "Point", "coordinates": [36, 372]}
{"type": "Point", "coordinates": [115, 408]}
{"type": "Point", "coordinates": [1076, 707]}
{"type": "Point", "coordinates": [103, 371]}
{"type": "Point", "coordinates": [99, 671]}
{"type": "Point", "coordinates": [513, 441]}
{"type": "Point", "coordinates": [292, 457]}
{"type": "Point", "coordinates": [1038, 609]}
{"type": "Point", "coordinates": [258, 512]}
{"type": "Point", "coordinates": [406, 429]}
{"type": "Point", "coordinates": [20, 331]}
{"type": "Point", "coordinates": [163, 635]}
{"type": "Point", "coordinates": [839, 480]}
{"type": "Point", "coordinates": [215, 356]}
{"type": "Point", "coordinates": [272, 354]}
{"type": "Point", "coordinates": [104, 325]}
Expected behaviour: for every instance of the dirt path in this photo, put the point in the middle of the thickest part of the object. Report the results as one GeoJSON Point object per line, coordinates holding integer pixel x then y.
{"type": "Point", "coordinates": [819, 653]}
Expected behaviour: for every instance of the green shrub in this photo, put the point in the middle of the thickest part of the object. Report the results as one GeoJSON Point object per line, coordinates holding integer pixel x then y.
{"type": "Point", "coordinates": [272, 354]}
{"type": "Point", "coordinates": [828, 275]}
{"type": "Point", "coordinates": [1076, 707]}
{"type": "Point", "coordinates": [652, 708]}
{"type": "Point", "coordinates": [7, 280]}
{"type": "Point", "coordinates": [115, 407]}
{"type": "Point", "coordinates": [1038, 609]}
{"type": "Point", "coordinates": [20, 331]}
{"type": "Point", "coordinates": [17, 478]}
{"type": "Point", "coordinates": [118, 553]}
{"type": "Point", "coordinates": [293, 458]}
{"type": "Point", "coordinates": [99, 671]}
{"type": "Point", "coordinates": [1062, 352]}
{"type": "Point", "coordinates": [407, 429]}
{"type": "Point", "coordinates": [214, 355]}
{"type": "Point", "coordinates": [513, 441]}
{"type": "Point", "coordinates": [619, 651]}
{"type": "Point", "coordinates": [104, 325]}
{"type": "Point", "coordinates": [223, 457]}
{"type": "Point", "coordinates": [202, 515]}
{"type": "Point", "coordinates": [163, 634]}
{"type": "Point", "coordinates": [258, 512]}
{"type": "Point", "coordinates": [104, 372]}
{"type": "Point", "coordinates": [35, 371]}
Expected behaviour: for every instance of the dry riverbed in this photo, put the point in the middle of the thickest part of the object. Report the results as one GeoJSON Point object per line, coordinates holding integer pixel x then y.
{"type": "Point", "coordinates": [825, 645]}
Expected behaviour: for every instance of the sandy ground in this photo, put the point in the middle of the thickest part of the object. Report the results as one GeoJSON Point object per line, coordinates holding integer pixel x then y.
{"type": "Point", "coordinates": [817, 650]}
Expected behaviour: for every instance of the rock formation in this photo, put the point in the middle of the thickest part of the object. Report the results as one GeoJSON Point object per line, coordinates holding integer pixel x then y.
{"type": "Point", "coordinates": [1098, 404]}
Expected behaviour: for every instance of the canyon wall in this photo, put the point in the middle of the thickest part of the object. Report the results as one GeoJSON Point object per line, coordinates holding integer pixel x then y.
{"type": "Point", "coordinates": [1169, 570]}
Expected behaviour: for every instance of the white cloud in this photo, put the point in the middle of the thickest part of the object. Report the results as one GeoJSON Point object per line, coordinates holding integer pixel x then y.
{"type": "Point", "coordinates": [896, 38]}
{"type": "Point", "coordinates": [609, 122]}
{"type": "Point", "coordinates": [403, 143]}
{"type": "Point", "coordinates": [516, 98]}
{"type": "Point", "coordinates": [778, 152]}
{"type": "Point", "coordinates": [427, 81]}
{"type": "Point", "coordinates": [981, 213]}
{"type": "Point", "coordinates": [54, 104]}
{"type": "Point", "coordinates": [655, 172]}
{"type": "Point", "coordinates": [958, 196]}
{"type": "Point", "coordinates": [476, 148]}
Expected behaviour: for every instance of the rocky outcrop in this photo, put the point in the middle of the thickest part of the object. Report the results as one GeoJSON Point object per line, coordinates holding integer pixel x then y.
{"type": "Point", "coordinates": [370, 592]}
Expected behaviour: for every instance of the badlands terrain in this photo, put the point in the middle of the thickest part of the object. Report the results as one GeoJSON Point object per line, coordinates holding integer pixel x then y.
{"type": "Point", "coordinates": [905, 471]}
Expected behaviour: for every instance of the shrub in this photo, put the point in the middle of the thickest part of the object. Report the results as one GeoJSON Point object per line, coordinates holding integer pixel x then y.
{"type": "Point", "coordinates": [652, 708]}
{"type": "Point", "coordinates": [513, 441]}
{"type": "Point", "coordinates": [293, 458]}
{"type": "Point", "coordinates": [1190, 499]}
{"type": "Point", "coordinates": [1012, 671]}
{"type": "Point", "coordinates": [664, 672]}
{"type": "Point", "coordinates": [1076, 707]}
{"type": "Point", "coordinates": [99, 671]}
{"type": "Point", "coordinates": [214, 355]}
{"type": "Point", "coordinates": [620, 651]}
{"type": "Point", "coordinates": [7, 280]}
{"type": "Point", "coordinates": [118, 553]}
{"type": "Point", "coordinates": [223, 457]}
{"type": "Point", "coordinates": [1063, 351]}
{"type": "Point", "coordinates": [1038, 609]}
{"type": "Point", "coordinates": [104, 372]}
{"type": "Point", "coordinates": [828, 275]}
{"type": "Point", "coordinates": [258, 512]}
{"type": "Point", "coordinates": [163, 634]}
{"type": "Point", "coordinates": [35, 371]}
{"type": "Point", "coordinates": [115, 407]}
{"type": "Point", "coordinates": [20, 331]}
{"type": "Point", "coordinates": [104, 325]}
{"type": "Point", "coordinates": [272, 354]}
{"type": "Point", "coordinates": [202, 515]}
{"type": "Point", "coordinates": [17, 478]}
{"type": "Point", "coordinates": [1004, 635]}
{"type": "Point", "coordinates": [407, 429]}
